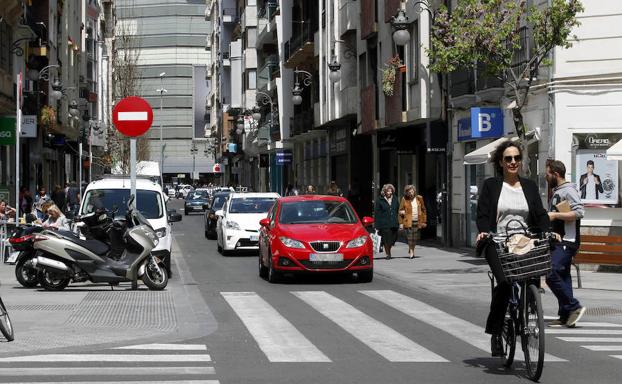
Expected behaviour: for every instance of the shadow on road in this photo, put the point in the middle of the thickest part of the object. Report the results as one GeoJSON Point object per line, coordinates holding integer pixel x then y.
{"type": "Point", "coordinates": [492, 366]}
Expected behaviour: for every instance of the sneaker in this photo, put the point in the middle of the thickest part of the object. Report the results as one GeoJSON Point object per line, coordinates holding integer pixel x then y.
{"type": "Point", "coordinates": [575, 316]}
{"type": "Point", "coordinates": [556, 323]}
{"type": "Point", "coordinates": [496, 345]}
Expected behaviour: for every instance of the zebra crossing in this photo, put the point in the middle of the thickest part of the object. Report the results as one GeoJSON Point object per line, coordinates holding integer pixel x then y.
{"type": "Point", "coordinates": [281, 341]}
{"type": "Point", "coordinates": [188, 363]}
{"type": "Point", "coordinates": [593, 336]}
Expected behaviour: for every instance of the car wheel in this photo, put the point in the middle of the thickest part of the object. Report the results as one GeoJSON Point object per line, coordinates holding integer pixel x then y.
{"type": "Point", "coordinates": [185, 212]}
{"type": "Point", "coordinates": [219, 249]}
{"type": "Point", "coordinates": [274, 276]}
{"type": "Point", "coordinates": [365, 276]}
{"type": "Point", "coordinates": [263, 270]}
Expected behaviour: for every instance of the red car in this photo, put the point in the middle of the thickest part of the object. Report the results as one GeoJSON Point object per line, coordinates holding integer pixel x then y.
{"type": "Point", "coordinates": [314, 233]}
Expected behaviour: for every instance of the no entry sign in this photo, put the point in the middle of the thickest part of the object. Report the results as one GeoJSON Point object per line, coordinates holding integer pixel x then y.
{"type": "Point", "coordinates": [132, 116]}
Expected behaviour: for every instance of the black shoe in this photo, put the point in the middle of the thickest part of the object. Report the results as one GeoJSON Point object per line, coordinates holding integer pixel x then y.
{"type": "Point", "coordinates": [496, 345]}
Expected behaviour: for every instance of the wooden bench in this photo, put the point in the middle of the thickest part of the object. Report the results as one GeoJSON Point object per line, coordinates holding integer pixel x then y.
{"type": "Point", "coordinates": [594, 249]}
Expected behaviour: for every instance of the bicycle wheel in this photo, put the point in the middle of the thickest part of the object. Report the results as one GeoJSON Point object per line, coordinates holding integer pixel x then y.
{"type": "Point", "coordinates": [532, 337]}
{"type": "Point", "coordinates": [509, 339]}
{"type": "Point", "coordinates": [5, 322]}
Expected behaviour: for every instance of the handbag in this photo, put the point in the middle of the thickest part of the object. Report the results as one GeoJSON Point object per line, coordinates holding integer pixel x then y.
{"type": "Point", "coordinates": [377, 241]}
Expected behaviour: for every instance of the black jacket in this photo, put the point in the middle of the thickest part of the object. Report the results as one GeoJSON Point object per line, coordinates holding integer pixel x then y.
{"type": "Point", "coordinates": [385, 215]}
{"type": "Point", "coordinates": [489, 199]}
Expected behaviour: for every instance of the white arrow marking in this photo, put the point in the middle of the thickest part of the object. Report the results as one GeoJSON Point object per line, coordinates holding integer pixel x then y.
{"type": "Point", "coordinates": [132, 116]}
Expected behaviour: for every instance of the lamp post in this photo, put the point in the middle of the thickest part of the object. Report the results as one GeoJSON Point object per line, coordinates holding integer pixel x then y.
{"type": "Point", "coordinates": [307, 78]}
{"type": "Point", "coordinates": [193, 151]}
{"type": "Point", "coordinates": [161, 91]}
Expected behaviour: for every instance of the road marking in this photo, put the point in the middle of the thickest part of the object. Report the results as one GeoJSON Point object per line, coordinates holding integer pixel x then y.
{"type": "Point", "coordinates": [455, 326]}
{"type": "Point", "coordinates": [616, 356]}
{"type": "Point", "coordinates": [592, 339]}
{"type": "Point", "coordinates": [132, 116]}
{"type": "Point", "coordinates": [614, 348]}
{"type": "Point", "coordinates": [279, 340]}
{"type": "Point", "coordinates": [107, 358]}
{"type": "Point", "coordinates": [598, 325]}
{"type": "Point", "coordinates": [167, 347]}
{"type": "Point", "coordinates": [577, 331]}
{"type": "Point", "coordinates": [384, 340]}
{"type": "Point", "coordinates": [125, 382]}
{"type": "Point", "coordinates": [105, 371]}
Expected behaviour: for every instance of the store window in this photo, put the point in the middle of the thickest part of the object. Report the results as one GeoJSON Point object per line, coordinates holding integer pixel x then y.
{"type": "Point", "coordinates": [474, 177]}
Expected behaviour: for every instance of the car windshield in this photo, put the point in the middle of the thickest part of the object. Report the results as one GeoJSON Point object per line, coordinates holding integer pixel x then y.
{"type": "Point", "coordinates": [149, 203]}
{"type": "Point", "coordinates": [317, 211]}
{"type": "Point", "coordinates": [251, 204]}
{"type": "Point", "coordinates": [219, 201]}
{"type": "Point", "coordinates": [197, 195]}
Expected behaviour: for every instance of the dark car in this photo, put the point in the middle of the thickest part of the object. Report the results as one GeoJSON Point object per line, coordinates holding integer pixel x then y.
{"type": "Point", "coordinates": [196, 201]}
{"type": "Point", "coordinates": [216, 203]}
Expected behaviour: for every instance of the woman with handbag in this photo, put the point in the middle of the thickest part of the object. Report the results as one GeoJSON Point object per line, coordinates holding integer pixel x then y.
{"type": "Point", "coordinates": [413, 216]}
{"type": "Point", "coordinates": [385, 217]}
{"type": "Point", "coordinates": [506, 204]}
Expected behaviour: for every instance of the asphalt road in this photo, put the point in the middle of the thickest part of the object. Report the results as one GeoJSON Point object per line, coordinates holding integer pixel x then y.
{"type": "Point", "coordinates": [234, 327]}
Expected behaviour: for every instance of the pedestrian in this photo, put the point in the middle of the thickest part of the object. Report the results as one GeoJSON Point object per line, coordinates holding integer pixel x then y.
{"type": "Point", "coordinates": [73, 198]}
{"type": "Point", "coordinates": [55, 219]}
{"type": "Point", "coordinates": [413, 216]}
{"type": "Point", "coordinates": [59, 197]}
{"type": "Point", "coordinates": [25, 200]}
{"type": "Point", "coordinates": [385, 217]}
{"type": "Point", "coordinates": [41, 198]}
{"type": "Point", "coordinates": [310, 190]}
{"type": "Point", "coordinates": [565, 213]}
{"type": "Point", "coordinates": [333, 189]}
{"type": "Point", "coordinates": [6, 211]}
{"type": "Point", "coordinates": [506, 204]}
{"type": "Point", "coordinates": [291, 190]}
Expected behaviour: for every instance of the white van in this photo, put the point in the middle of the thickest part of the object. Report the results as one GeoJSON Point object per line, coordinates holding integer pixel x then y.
{"type": "Point", "coordinates": [113, 192]}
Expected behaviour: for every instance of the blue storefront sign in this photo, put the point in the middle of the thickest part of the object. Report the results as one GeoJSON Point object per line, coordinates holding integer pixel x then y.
{"type": "Point", "coordinates": [484, 123]}
{"type": "Point", "coordinates": [232, 147]}
{"type": "Point", "coordinates": [284, 157]}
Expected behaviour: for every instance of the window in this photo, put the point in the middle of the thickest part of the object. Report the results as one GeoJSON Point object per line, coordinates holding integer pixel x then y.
{"type": "Point", "coordinates": [251, 205]}
{"type": "Point", "coordinates": [149, 202]}
{"type": "Point", "coordinates": [326, 212]}
{"type": "Point", "coordinates": [251, 79]}
{"type": "Point", "coordinates": [413, 50]}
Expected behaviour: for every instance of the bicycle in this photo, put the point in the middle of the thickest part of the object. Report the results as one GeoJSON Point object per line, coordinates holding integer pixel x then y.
{"type": "Point", "coordinates": [524, 316]}
{"type": "Point", "coordinates": [5, 322]}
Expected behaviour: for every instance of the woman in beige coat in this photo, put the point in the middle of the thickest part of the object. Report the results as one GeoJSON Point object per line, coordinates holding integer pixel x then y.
{"type": "Point", "coordinates": [413, 216]}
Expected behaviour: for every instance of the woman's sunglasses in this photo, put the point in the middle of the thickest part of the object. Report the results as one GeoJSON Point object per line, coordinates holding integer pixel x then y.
{"type": "Point", "coordinates": [517, 158]}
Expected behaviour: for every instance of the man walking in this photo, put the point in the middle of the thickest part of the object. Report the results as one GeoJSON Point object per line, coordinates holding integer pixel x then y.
{"type": "Point", "coordinates": [565, 213]}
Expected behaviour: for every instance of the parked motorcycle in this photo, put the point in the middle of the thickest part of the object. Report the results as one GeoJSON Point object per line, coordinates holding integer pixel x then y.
{"type": "Point", "coordinates": [63, 257]}
{"type": "Point", "coordinates": [22, 240]}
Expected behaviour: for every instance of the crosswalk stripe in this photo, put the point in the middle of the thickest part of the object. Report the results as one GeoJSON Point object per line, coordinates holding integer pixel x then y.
{"type": "Point", "coordinates": [578, 331]}
{"type": "Point", "coordinates": [455, 326]}
{"type": "Point", "coordinates": [616, 356]}
{"type": "Point", "coordinates": [612, 348]}
{"type": "Point", "coordinates": [105, 371]}
{"type": "Point", "coordinates": [279, 340]}
{"type": "Point", "coordinates": [125, 382]}
{"type": "Point", "coordinates": [168, 347]}
{"type": "Point", "coordinates": [384, 340]}
{"type": "Point", "coordinates": [107, 358]}
{"type": "Point", "coordinates": [583, 324]}
{"type": "Point", "coordinates": [592, 339]}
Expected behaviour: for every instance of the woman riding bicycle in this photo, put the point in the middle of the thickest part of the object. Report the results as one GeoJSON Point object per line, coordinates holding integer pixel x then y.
{"type": "Point", "coordinates": [506, 202]}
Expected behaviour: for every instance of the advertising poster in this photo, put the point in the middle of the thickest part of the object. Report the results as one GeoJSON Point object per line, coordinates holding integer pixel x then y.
{"type": "Point", "coordinates": [597, 178]}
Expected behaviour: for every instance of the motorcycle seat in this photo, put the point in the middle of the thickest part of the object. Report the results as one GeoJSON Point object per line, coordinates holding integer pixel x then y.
{"type": "Point", "coordinates": [95, 246]}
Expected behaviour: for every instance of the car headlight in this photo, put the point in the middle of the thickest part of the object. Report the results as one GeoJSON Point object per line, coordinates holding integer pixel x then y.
{"type": "Point", "coordinates": [358, 242]}
{"type": "Point", "coordinates": [161, 232]}
{"type": "Point", "coordinates": [230, 224]}
{"type": "Point", "coordinates": [291, 243]}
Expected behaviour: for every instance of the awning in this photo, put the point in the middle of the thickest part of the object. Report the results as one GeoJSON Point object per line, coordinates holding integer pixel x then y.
{"type": "Point", "coordinates": [483, 154]}
{"type": "Point", "coordinates": [615, 151]}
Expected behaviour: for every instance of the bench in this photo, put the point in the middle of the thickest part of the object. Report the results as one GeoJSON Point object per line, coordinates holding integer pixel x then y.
{"type": "Point", "coordinates": [594, 249]}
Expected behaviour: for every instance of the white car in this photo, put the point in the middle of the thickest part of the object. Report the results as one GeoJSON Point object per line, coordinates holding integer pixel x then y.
{"type": "Point", "coordinates": [113, 192]}
{"type": "Point", "coordinates": [237, 227]}
{"type": "Point", "coordinates": [184, 190]}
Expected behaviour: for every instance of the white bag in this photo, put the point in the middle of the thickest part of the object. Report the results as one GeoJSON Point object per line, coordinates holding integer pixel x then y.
{"type": "Point", "coordinates": [377, 240]}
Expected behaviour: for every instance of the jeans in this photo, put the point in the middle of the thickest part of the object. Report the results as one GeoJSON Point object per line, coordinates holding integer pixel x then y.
{"type": "Point", "coordinates": [560, 281]}
{"type": "Point", "coordinates": [500, 294]}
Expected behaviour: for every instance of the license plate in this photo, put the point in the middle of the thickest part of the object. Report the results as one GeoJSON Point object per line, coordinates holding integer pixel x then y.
{"type": "Point", "coordinates": [254, 238]}
{"type": "Point", "coordinates": [326, 257]}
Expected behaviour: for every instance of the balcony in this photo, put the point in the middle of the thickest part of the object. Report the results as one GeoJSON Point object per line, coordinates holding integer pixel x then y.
{"type": "Point", "coordinates": [269, 9]}
{"type": "Point", "coordinates": [302, 122]}
{"type": "Point", "coordinates": [299, 49]}
{"type": "Point", "coordinates": [267, 74]}
{"type": "Point", "coordinates": [348, 16]}
{"type": "Point", "coordinates": [469, 87]}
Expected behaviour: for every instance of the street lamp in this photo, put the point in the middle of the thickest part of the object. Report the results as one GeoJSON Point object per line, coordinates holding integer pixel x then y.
{"type": "Point", "coordinates": [265, 99]}
{"type": "Point", "coordinates": [161, 91]}
{"type": "Point", "coordinates": [399, 22]}
{"type": "Point", "coordinates": [193, 151]}
{"type": "Point", "coordinates": [335, 70]}
{"type": "Point", "coordinates": [307, 78]}
{"type": "Point", "coordinates": [73, 109]}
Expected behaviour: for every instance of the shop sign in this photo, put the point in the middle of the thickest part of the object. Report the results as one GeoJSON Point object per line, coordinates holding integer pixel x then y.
{"type": "Point", "coordinates": [484, 123]}
{"type": "Point", "coordinates": [29, 126]}
{"type": "Point", "coordinates": [7, 130]}
{"type": "Point", "coordinates": [596, 140]}
{"type": "Point", "coordinates": [284, 157]}
{"type": "Point", "coordinates": [232, 147]}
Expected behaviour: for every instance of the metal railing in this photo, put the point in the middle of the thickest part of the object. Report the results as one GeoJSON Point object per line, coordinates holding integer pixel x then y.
{"type": "Point", "coordinates": [268, 71]}
{"type": "Point", "coordinates": [301, 33]}
{"type": "Point", "coordinates": [269, 10]}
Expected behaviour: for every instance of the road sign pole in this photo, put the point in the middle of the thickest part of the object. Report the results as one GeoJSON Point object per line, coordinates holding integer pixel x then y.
{"type": "Point", "coordinates": [80, 169]}
{"type": "Point", "coordinates": [18, 133]}
{"type": "Point", "coordinates": [133, 168]}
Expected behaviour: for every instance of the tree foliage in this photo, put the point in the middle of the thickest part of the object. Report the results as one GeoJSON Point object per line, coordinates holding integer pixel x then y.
{"type": "Point", "coordinates": [495, 35]}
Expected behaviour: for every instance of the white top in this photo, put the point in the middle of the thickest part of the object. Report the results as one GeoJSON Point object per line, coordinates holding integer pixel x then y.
{"type": "Point", "coordinates": [512, 206]}
{"type": "Point", "coordinates": [415, 206]}
{"type": "Point", "coordinates": [590, 189]}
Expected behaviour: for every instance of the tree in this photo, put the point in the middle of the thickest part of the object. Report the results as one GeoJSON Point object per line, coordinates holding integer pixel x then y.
{"type": "Point", "coordinates": [492, 34]}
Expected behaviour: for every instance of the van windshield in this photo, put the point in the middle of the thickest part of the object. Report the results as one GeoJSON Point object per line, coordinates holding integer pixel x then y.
{"type": "Point", "coordinates": [149, 203]}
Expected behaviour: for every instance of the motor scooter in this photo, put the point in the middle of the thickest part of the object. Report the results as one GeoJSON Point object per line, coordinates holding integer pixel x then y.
{"type": "Point", "coordinates": [22, 240]}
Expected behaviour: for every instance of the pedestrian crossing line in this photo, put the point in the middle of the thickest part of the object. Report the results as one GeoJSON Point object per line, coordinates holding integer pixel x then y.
{"type": "Point", "coordinates": [584, 324]}
{"type": "Point", "coordinates": [591, 339]}
{"type": "Point", "coordinates": [387, 342]}
{"type": "Point", "coordinates": [455, 326]}
{"type": "Point", "coordinates": [105, 371]}
{"type": "Point", "coordinates": [57, 358]}
{"type": "Point", "coordinates": [167, 347]}
{"type": "Point", "coordinates": [279, 340]}
{"type": "Point", "coordinates": [580, 331]}
{"type": "Point", "coordinates": [616, 356]}
{"type": "Point", "coordinates": [607, 348]}
{"type": "Point", "coordinates": [124, 382]}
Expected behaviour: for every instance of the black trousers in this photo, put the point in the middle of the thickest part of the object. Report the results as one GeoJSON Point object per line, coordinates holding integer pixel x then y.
{"type": "Point", "coordinates": [500, 294]}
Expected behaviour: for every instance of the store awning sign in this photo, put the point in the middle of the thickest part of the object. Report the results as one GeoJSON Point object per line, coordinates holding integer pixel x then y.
{"type": "Point", "coordinates": [7, 130]}
{"type": "Point", "coordinates": [484, 123]}
{"type": "Point", "coordinates": [284, 157]}
{"type": "Point", "coordinates": [29, 126]}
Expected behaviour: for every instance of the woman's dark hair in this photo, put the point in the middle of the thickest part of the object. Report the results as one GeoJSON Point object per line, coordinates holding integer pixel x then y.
{"type": "Point", "coordinates": [497, 156]}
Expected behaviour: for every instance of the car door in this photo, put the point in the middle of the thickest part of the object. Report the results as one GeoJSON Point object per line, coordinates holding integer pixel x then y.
{"type": "Point", "coordinates": [219, 224]}
{"type": "Point", "coordinates": [264, 235]}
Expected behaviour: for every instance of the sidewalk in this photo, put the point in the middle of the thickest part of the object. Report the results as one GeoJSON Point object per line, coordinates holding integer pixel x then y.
{"type": "Point", "coordinates": [459, 274]}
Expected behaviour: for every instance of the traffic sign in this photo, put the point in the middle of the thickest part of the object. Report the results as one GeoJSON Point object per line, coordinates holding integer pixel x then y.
{"type": "Point", "coordinates": [132, 116]}
{"type": "Point", "coordinates": [217, 168]}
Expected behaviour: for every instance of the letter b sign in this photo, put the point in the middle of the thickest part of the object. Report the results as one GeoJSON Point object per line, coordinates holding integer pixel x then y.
{"type": "Point", "coordinates": [485, 124]}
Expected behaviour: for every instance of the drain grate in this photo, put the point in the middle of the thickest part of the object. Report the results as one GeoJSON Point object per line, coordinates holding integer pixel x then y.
{"type": "Point", "coordinates": [42, 307]}
{"type": "Point", "coordinates": [145, 310]}
{"type": "Point", "coordinates": [603, 311]}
